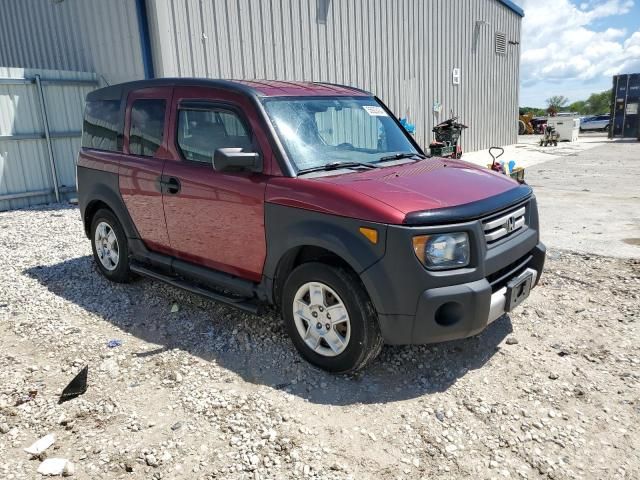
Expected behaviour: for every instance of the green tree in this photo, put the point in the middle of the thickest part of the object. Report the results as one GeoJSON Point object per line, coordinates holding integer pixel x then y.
{"type": "Point", "coordinates": [536, 112]}
{"type": "Point", "coordinates": [599, 103]}
{"type": "Point", "coordinates": [556, 103]}
{"type": "Point", "coordinates": [578, 107]}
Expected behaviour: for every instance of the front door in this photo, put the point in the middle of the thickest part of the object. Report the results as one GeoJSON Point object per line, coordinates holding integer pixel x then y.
{"type": "Point", "coordinates": [146, 129]}
{"type": "Point", "coordinates": [214, 218]}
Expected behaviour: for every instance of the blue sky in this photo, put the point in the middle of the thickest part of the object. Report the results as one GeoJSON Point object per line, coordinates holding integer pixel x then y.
{"type": "Point", "coordinates": [573, 47]}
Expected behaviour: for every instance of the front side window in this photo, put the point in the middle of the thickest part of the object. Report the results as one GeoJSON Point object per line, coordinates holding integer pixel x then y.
{"type": "Point", "coordinates": [147, 126]}
{"type": "Point", "coordinates": [318, 131]}
{"type": "Point", "coordinates": [102, 126]}
{"type": "Point", "coordinates": [202, 132]}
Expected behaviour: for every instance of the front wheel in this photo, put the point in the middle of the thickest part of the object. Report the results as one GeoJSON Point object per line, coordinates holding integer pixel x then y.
{"type": "Point", "coordinates": [330, 318]}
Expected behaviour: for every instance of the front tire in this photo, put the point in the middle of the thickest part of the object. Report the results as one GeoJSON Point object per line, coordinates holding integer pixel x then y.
{"type": "Point", "coordinates": [330, 318]}
{"type": "Point", "coordinates": [109, 245]}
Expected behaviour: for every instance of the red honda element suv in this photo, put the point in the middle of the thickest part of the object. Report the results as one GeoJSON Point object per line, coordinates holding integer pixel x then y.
{"type": "Point", "coordinates": [307, 196]}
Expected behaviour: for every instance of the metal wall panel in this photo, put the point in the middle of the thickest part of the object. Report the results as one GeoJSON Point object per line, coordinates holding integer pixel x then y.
{"type": "Point", "coordinates": [83, 35]}
{"type": "Point", "coordinates": [403, 50]}
{"type": "Point", "coordinates": [24, 162]}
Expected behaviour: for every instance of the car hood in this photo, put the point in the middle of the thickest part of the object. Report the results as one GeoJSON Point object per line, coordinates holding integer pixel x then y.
{"type": "Point", "coordinates": [428, 184]}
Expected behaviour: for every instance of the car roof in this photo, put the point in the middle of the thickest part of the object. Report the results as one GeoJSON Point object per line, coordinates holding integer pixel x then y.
{"type": "Point", "coordinates": [258, 88]}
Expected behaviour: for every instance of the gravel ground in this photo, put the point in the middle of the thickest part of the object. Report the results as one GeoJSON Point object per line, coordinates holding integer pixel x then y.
{"type": "Point", "coordinates": [550, 391]}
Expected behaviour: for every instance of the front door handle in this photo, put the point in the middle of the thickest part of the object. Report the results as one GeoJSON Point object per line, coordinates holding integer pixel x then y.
{"type": "Point", "coordinates": [170, 185]}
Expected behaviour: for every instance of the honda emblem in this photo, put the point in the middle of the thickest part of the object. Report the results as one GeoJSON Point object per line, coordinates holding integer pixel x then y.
{"type": "Point", "coordinates": [511, 224]}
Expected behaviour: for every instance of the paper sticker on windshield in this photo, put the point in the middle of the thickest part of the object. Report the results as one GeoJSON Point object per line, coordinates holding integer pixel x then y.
{"type": "Point", "coordinates": [375, 110]}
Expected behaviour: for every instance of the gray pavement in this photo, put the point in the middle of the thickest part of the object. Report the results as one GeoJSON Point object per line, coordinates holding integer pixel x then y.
{"type": "Point", "coordinates": [590, 201]}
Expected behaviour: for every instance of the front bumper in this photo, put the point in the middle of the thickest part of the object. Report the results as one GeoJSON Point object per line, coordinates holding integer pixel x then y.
{"type": "Point", "coordinates": [476, 306]}
{"type": "Point", "coordinates": [408, 297]}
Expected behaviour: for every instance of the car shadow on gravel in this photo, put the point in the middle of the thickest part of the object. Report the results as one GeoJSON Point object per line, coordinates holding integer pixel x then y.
{"type": "Point", "coordinates": [256, 348]}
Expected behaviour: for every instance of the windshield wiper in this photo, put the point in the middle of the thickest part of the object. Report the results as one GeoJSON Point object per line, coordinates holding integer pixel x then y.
{"type": "Point", "coordinates": [335, 166]}
{"type": "Point", "coordinates": [399, 156]}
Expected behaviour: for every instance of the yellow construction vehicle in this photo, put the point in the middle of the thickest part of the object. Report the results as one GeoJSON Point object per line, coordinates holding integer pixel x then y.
{"type": "Point", "coordinates": [525, 127]}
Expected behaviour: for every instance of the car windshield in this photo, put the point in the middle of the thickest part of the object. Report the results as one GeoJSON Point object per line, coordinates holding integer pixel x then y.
{"type": "Point", "coordinates": [320, 131]}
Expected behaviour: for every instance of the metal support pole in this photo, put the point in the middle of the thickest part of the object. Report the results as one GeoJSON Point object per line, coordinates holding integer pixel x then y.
{"type": "Point", "coordinates": [612, 115]}
{"type": "Point", "coordinates": [47, 136]}
{"type": "Point", "coordinates": [624, 107]}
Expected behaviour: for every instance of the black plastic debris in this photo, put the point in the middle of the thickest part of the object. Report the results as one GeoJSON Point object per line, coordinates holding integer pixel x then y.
{"type": "Point", "coordinates": [76, 387]}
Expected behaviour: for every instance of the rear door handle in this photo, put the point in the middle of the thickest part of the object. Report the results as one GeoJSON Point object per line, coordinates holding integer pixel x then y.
{"type": "Point", "coordinates": [170, 185]}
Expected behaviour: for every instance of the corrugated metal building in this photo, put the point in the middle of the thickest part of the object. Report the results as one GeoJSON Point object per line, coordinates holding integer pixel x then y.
{"type": "Point", "coordinates": [461, 55]}
{"type": "Point", "coordinates": [40, 131]}
{"type": "Point", "coordinates": [99, 36]}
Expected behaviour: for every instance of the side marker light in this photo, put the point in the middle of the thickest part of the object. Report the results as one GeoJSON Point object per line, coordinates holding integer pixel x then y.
{"type": "Point", "coordinates": [370, 233]}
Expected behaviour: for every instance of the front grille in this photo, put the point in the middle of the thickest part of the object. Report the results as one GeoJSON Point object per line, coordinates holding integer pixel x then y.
{"type": "Point", "coordinates": [500, 278]}
{"type": "Point", "coordinates": [504, 224]}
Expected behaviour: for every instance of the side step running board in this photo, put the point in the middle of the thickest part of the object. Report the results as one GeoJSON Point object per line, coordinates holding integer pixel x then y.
{"type": "Point", "coordinates": [242, 303]}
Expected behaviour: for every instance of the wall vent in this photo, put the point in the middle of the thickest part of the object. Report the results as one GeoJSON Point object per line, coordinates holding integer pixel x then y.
{"type": "Point", "coordinates": [322, 11]}
{"type": "Point", "coordinates": [501, 43]}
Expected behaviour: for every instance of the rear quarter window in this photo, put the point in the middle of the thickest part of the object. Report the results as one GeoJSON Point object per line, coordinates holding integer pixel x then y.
{"type": "Point", "coordinates": [147, 127]}
{"type": "Point", "coordinates": [102, 126]}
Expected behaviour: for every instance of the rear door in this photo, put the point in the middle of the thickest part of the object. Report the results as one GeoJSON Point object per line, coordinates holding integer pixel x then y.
{"type": "Point", "coordinates": [214, 218]}
{"type": "Point", "coordinates": [146, 128]}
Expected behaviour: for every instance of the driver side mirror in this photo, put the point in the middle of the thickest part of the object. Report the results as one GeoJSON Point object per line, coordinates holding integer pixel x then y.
{"type": "Point", "coordinates": [236, 160]}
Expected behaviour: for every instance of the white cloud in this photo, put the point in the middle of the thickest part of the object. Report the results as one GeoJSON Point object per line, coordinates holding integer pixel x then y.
{"type": "Point", "coordinates": [560, 42]}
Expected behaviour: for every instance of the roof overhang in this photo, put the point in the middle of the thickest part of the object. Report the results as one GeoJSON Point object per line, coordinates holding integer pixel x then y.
{"type": "Point", "coordinates": [513, 7]}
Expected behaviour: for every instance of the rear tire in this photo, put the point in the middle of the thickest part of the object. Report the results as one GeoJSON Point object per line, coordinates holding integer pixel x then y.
{"type": "Point", "coordinates": [344, 343]}
{"type": "Point", "coordinates": [109, 245]}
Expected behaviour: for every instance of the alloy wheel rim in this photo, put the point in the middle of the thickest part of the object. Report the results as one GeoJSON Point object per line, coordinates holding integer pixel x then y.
{"type": "Point", "coordinates": [321, 319]}
{"type": "Point", "coordinates": [106, 244]}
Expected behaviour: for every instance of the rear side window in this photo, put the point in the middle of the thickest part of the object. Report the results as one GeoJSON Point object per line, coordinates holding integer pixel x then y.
{"type": "Point", "coordinates": [147, 127]}
{"type": "Point", "coordinates": [202, 132]}
{"type": "Point", "coordinates": [102, 127]}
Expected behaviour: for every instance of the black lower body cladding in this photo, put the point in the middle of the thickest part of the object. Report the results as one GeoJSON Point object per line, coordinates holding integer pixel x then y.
{"type": "Point", "coordinates": [413, 304]}
{"type": "Point", "coordinates": [450, 312]}
{"type": "Point", "coordinates": [101, 186]}
{"type": "Point", "coordinates": [417, 306]}
{"type": "Point", "coordinates": [288, 229]}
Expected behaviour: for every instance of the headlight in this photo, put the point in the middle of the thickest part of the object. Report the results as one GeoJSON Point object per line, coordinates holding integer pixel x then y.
{"type": "Point", "coordinates": [442, 251]}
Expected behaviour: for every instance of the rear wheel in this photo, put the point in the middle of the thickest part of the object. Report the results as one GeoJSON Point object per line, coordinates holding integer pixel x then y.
{"type": "Point", "coordinates": [330, 318]}
{"type": "Point", "coordinates": [109, 245]}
